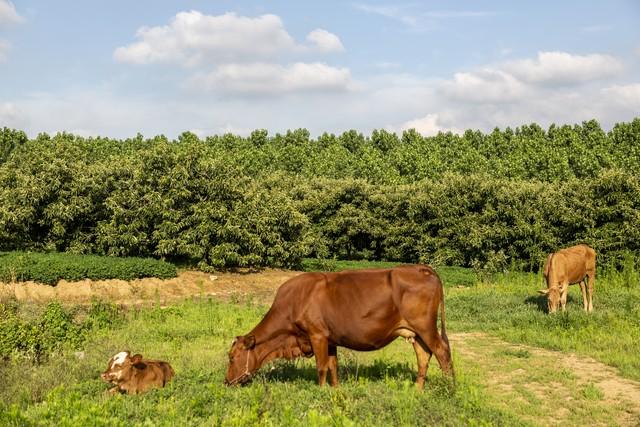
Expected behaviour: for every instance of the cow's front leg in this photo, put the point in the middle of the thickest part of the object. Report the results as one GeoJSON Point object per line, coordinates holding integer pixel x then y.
{"type": "Point", "coordinates": [564, 291]}
{"type": "Point", "coordinates": [320, 347]}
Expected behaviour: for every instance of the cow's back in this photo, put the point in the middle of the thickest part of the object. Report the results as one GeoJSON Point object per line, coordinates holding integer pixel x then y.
{"type": "Point", "coordinates": [155, 373]}
{"type": "Point", "coordinates": [572, 264]}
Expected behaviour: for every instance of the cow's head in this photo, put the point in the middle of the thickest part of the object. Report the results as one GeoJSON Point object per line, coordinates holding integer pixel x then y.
{"type": "Point", "coordinates": [120, 366]}
{"type": "Point", "coordinates": [553, 298]}
{"type": "Point", "coordinates": [242, 360]}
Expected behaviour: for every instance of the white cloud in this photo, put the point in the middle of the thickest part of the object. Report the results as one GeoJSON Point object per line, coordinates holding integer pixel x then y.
{"type": "Point", "coordinates": [520, 80]}
{"type": "Point", "coordinates": [192, 38]}
{"type": "Point", "coordinates": [268, 79]}
{"type": "Point", "coordinates": [221, 130]}
{"type": "Point", "coordinates": [484, 86]}
{"type": "Point", "coordinates": [627, 96]}
{"type": "Point", "coordinates": [8, 14]}
{"type": "Point", "coordinates": [564, 68]}
{"type": "Point", "coordinates": [11, 116]}
{"type": "Point", "coordinates": [325, 41]}
{"type": "Point", "coordinates": [89, 112]}
{"type": "Point", "coordinates": [428, 125]}
{"type": "Point", "coordinates": [553, 87]}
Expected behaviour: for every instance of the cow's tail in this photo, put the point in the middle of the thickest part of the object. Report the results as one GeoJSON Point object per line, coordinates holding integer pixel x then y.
{"type": "Point", "coordinates": [445, 338]}
{"type": "Point", "coordinates": [443, 329]}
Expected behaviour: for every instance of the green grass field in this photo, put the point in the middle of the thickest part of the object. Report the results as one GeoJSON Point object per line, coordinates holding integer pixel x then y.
{"type": "Point", "coordinates": [498, 383]}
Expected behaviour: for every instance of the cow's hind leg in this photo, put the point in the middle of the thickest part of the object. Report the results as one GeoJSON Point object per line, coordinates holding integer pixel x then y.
{"type": "Point", "coordinates": [333, 365]}
{"type": "Point", "coordinates": [320, 347]}
{"type": "Point", "coordinates": [423, 354]}
{"type": "Point", "coordinates": [428, 333]}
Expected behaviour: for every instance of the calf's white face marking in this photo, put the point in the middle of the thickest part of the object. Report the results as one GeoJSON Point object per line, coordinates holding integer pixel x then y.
{"type": "Point", "coordinates": [119, 358]}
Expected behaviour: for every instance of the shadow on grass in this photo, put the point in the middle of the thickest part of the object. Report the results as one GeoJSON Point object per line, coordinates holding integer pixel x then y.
{"type": "Point", "coordinates": [348, 371]}
{"type": "Point", "coordinates": [539, 301]}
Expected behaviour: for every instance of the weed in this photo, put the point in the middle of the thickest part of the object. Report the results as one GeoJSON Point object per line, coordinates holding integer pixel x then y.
{"type": "Point", "coordinates": [592, 392]}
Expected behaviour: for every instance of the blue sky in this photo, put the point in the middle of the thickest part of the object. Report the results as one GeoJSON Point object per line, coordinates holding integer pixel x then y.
{"type": "Point", "coordinates": [118, 68]}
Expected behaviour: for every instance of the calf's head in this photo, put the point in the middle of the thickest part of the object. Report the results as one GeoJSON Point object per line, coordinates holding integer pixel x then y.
{"type": "Point", "coordinates": [120, 367]}
{"type": "Point", "coordinates": [242, 360]}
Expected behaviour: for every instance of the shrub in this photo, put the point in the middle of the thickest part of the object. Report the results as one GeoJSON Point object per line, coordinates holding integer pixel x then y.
{"type": "Point", "coordinates": [54, 329]}
{"type": "Point", "coordinates": [50, 267]}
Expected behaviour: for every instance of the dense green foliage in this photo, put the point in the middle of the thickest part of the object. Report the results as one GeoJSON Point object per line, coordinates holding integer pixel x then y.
{"type": "Point", "coordinates": [36, 335]}
{"type": "Point", "coordinates": [50, 267]}
{"type": "Point", "coordinates": [484, 200]}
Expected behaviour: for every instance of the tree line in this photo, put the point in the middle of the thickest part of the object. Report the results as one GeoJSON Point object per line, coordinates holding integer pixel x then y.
{"type": "Point", "coordinates": [488, 200]}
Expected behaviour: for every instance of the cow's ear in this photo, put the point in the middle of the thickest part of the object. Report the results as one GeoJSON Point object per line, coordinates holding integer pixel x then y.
{"type": "Point", "coordinates": [140, 365]}
{"type": "Point", "coordinates": [249, 341]}
{"type": "Point", "coordinates": [137, 358]}
{"type": "Point", "coordinates": [543, 291]}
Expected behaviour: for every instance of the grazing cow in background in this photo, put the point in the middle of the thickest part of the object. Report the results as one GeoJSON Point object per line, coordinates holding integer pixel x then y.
{"type": "Point", "coordinates": [133, 374]}
{"type": "Point", "coordinates": [314, 313]}
{"type": "Point", "coordinates": [576, 264]}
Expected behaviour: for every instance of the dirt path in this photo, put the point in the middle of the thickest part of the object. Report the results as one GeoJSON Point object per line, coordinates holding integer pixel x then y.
{"type": "Point", "coordinates": [548, 387]}
{"type": "Point", "coordinates": [541, 386]}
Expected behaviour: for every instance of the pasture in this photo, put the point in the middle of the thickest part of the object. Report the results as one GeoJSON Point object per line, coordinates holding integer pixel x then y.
{"type": "Point", "coordinates": [515, 365]}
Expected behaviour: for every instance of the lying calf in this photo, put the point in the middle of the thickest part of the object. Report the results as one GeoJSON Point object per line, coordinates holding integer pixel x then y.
{"type": "Point", "coordinates": [133, 374]}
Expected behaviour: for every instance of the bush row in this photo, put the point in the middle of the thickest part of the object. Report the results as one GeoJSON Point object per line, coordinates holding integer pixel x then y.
{"type": "Point", "coordinates": [474, 221]}
{"type": "Point", "coordinates": [50, 267]}
{"type": "Point", "coordinates": [270, 201]}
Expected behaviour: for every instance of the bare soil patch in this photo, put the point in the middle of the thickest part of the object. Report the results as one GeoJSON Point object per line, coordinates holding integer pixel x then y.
{"type": "Point", "coordinates": [260, 286]}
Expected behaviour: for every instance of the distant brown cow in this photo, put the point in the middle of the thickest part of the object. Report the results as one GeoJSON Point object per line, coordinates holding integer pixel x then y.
{"type": "Point", "coordinates": [133, 374]}
{"type": "Point", "coordinates": [314, 313]}
{"type": "Point", "coordinates": [576, 264]}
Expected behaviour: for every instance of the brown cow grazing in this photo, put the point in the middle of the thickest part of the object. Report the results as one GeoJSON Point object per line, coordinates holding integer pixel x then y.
{"type": "Point", "coordinates": [576, 264]}
{"type": "Point", "coordinates": [133, 374]}
{"type": "Point", "coordinates": [314, 313]}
